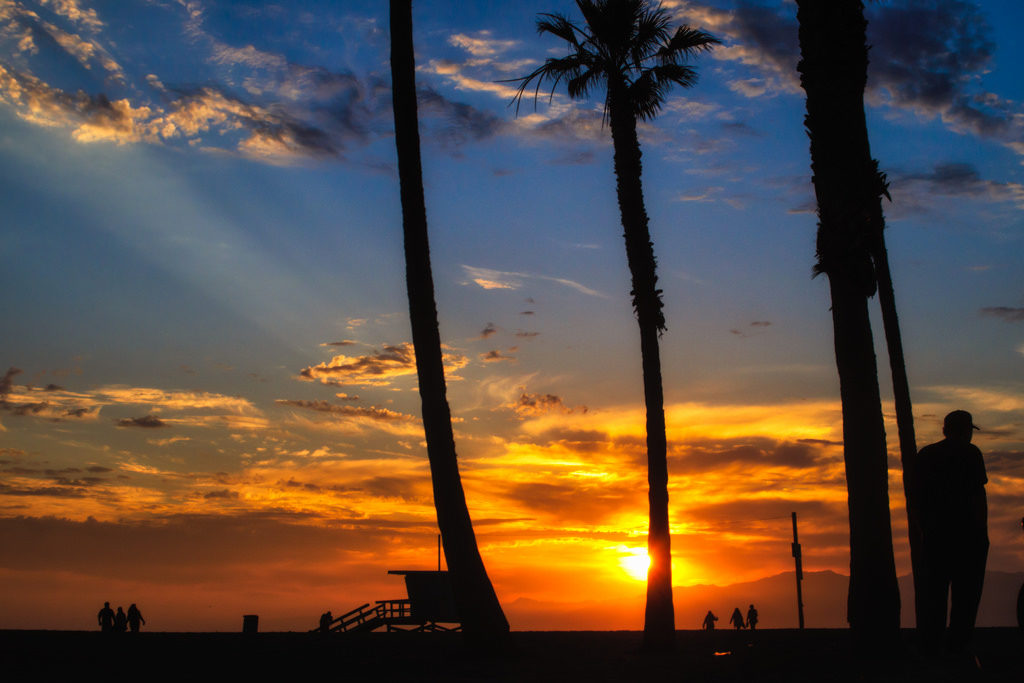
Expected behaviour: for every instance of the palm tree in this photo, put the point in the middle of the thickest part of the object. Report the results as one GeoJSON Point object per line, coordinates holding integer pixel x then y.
{"type": "Point", "coordinates": [628, 48]}
{"type": "Point", "coordinates": [482, 617]}
{"type": "Point", "coordinates": [901, 393]}
{"type": "Point", "coordinates": [833, 73]}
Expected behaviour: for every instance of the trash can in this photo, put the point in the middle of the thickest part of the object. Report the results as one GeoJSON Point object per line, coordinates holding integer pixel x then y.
{"type": "Point", "coordinates": [250, 623]}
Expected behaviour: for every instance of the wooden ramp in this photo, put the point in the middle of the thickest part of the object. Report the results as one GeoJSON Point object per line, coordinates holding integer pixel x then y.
{"type": "Point", "coordinates": [430, 606]}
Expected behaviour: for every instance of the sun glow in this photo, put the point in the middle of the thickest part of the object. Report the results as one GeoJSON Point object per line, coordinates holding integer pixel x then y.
{"type": "Point", "coordinates": [635, 562]}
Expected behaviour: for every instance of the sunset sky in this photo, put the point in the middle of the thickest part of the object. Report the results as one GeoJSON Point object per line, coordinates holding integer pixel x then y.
{"type": "Point", "coordinates": [211, 406]}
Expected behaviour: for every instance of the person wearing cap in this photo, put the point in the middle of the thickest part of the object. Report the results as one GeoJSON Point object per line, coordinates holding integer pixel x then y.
{"type": "Point", "coordinates": [954, 525]}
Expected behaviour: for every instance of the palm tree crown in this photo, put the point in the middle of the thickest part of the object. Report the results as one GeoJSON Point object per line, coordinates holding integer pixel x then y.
{"type": "Point", "coordinates": [625, 43]}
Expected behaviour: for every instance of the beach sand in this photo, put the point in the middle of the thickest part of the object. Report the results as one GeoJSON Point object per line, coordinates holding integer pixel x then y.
{"type": "Point", "coordinates": [770, 655]}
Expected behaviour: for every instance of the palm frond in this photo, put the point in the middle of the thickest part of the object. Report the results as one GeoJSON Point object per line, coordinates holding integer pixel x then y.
{"type": "Point", "coordinates": [585, 82]}
{"type": "Point", "coordinates": [647, 95]}
{"type": "Point", "coordinates": [559, 26]}
{"type": "Point", "coordinates": [649, 92]}
{"type": "Point", "coordinates": [553, 70]}
{"type": "Point", "coordinates": [651, 32]}
{"type": "Point", "coordinates": [687, 42]}
{"type": "Point", "coordinates": [682, 75]}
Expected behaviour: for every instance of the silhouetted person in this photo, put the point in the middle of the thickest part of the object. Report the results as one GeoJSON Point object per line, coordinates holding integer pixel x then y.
{"type": "Point", "coordinates": [709, 621]}
{"type": "Point", "coordinates": [120, 620]}
{"type": "Point", "coordinates": [325, 621]}
{"type": "Point", "coordinates": [134, 618]}
{"type": "Point", "coordinates": [954, 525]}
{"type": "Point", "coordinates": [736, 619]}
{"type": "Point", "coordinates": [105, 618]}
{"type": "Point", "coordinates": [752, 618]}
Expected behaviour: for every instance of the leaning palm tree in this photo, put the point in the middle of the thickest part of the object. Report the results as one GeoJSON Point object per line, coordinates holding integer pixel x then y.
{"type": "Point", "coordinates": [482, 617]}
{"type": "Point", "coordinates": [900, 392]}
{"type": "Point", "coordinates": [833, 73]}
{"type": "Point", "coordinates": [627, 48]}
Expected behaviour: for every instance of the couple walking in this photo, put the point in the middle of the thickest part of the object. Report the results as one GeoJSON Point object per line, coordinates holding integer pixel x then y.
{"type": "Point", "coordinates": [119, 622]}
{"type": "Point", "coordinates": [737, 619]}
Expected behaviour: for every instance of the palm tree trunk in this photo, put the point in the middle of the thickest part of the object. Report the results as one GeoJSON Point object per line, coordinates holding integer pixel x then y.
{"type": "Point", "coordinates": [659, 616]}
{"type": "Point", "coordinates": [482, 617]}
{"type": "Point", "coordinates": [833, 70]}
{"type": "Point", "coordinates": [904, 411]}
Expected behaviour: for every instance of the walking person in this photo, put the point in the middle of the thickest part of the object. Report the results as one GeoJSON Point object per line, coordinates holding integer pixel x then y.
{"type": "Point", "coordinates": [709, 621]}
{"type": "Point", "coordinates": [737, 619]}
{"type": "Point", "coordinates": [752, 618]}
{"type": "Point", "coordinates": [105, 618]}
{"type": "Point", "coordinates": [120, 620]}
{"type": "Point", "coordinates": [134, 618]}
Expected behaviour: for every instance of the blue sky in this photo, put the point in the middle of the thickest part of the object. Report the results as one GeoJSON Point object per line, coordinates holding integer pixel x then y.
{"type": "Point", "coordinates": [203, 281]}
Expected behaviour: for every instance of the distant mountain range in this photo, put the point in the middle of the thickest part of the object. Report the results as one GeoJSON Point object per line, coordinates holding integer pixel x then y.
{"type": "Point", "coordinates": [824, 597]}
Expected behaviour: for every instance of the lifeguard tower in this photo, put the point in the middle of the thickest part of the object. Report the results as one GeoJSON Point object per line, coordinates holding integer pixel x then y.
{"type": "Point", "coordinates": [430, 606]}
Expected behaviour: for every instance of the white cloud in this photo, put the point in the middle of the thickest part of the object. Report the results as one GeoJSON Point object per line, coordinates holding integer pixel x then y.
{"type": "Point", "coordinates": [497, 279]}
{"type": "Point", "coordinates": [482, 44]}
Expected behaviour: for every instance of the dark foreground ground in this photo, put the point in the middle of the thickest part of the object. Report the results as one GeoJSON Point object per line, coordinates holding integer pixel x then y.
{"type": "Point", "coordinates": [774, 655]}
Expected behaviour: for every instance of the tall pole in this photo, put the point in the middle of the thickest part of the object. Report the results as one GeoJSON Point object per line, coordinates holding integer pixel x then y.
{"type": "Point", "coordinates": [799, 574]}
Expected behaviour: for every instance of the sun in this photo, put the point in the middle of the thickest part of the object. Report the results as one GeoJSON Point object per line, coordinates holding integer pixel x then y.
{"type": "Point", "coordinates": [635, 562]}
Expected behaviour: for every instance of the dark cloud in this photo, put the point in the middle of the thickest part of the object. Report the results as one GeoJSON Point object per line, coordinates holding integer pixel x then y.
{"type": "Point", "coordinates": [747, 512]}
{"type": "Point", "coordinates": [950, 179]}
{"type": "Point", "coordinates": [343, 342]}
{"type": "Point", "coordinates": [495, 356]}
{"type": "Point", "coordinates": [387, 487]}
{"type": "Point", "coordinates": [147, 421]}
{"type": "Point", "coordinates": [757, 325]}
{"type": "Point", "coordinates": [7, 382]}
{"type": "Point", "coordinates": [527, 335]}
{"type": "Point", "coordinates": [925, 55]}
{"type": "Point", "coordinates": [223, 494]}
{"type": "Point", "coordinates": [539, 404]}
{"type": "Point", "coordinates": [79, 482]}
{"type": "Point", "coordinates": [772, 32]}
{"type": "Point", "coordinates": [42, 491]}
{"type": "Point", "coordinates": [738, 128]}
{"type": "Point", "coordinates": [575, 158]}
{"type": "Point", "coordinates": [710, 456]}
{"type": "Point", "coordinates": [820, 442]}
{"type": "Point", "coordinates": [489, 329]}
{"type": "Point", "coordinates": [1005, 463]}
{"type": "Point", "coordinates": [1012, 315]}
{"type": "Point", "coordinates": [575, 503]}
{"type": "Point", "coordinates": [461, 122]}
{"type": "Point", "coordinates": [574, 125]}
{"type": "Point", "coordinates": [372, 413]}
{"type": "Point", "coordinates": [29, 408]}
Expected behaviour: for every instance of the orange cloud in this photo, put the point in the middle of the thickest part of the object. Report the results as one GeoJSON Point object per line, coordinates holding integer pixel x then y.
{"type": "Point", "coordinates": [379, 368]}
